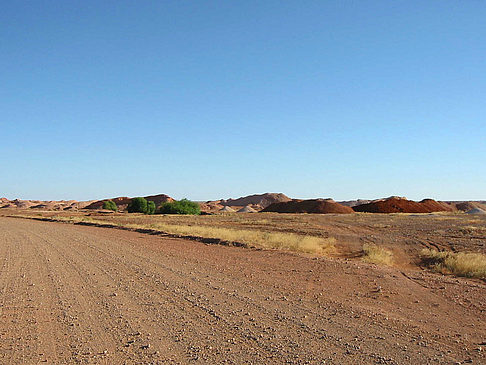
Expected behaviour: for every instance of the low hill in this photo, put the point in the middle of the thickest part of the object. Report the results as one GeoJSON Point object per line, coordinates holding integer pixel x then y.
{"type": "Point", "coordinates": [122, 202]}
{"type": "Point", "coordinates": [159, 199]}
{"type": "Point", "coordinates": [396, 204]}
{"type": "Point", "coordinates": [210, 207]}
{"type": "Point", "coordinates": [315, 206]}
{"type": "Point", "coordinates": [353, 203]}
{"type": "Point", "coordinates": [44, 204]}
{"type": "Point", "coordinates": [262, 200]}
{"type": "Point", "coordinates": [466, 206]}
{"type": "Point", "coordinates": [119, 201]}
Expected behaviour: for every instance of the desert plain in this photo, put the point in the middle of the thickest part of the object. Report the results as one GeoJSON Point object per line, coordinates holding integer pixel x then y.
{"type": "Point", "coordinates": [96, 287]}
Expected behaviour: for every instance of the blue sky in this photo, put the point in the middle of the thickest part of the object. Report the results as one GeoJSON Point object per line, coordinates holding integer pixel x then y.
{"type": "Point", "coordinates": [217, 99]}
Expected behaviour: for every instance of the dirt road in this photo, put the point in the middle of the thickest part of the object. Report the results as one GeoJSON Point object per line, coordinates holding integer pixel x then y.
{"type": "Point", "coordinates": [74, 294]}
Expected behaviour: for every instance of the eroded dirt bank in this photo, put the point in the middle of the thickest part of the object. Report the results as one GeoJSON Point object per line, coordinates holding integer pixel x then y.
{"type": "Point", "coordinates": [74, 294]}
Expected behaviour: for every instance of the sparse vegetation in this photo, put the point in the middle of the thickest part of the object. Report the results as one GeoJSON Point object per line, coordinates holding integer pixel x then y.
{"type": "Point", "coordinates": [468, 264]}
{"type": "Point", "coordinates": [183, 206]}
{"type": "Point", "coordinates": [337, 236]}
{"type": "Point", "coordinates": [273, 240]}
{"type": "Point", "coordinates": [150, 207]}
{"type": "Point", "coordinates": [110, 205]}
{"type": "Point", "coordinates": [138, 205]}
{"type": "Point", "coordinates": [377, 255]}
{"type": "Point", "coordinates": [255, 238]}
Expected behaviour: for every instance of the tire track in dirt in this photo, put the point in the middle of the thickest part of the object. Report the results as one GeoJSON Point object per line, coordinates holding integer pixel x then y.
{"type": "Point", "coordinates": [297, 327]}
{"type": "Point", "coordinates": [202, 315]}
{"type": "Point", "coordinates": [18, 317]}
{"type": "Point", "coordinates": [282, 322]}
{"type": "Point", "coordinates": [114, 328]}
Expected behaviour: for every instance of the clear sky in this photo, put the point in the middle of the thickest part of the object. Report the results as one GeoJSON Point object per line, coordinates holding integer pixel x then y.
{"type": "Point", "coordinates": [218, 99]}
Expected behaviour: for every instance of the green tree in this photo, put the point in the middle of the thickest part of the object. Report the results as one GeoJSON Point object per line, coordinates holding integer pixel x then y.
{"type": "Point", "coordinates": [110, 205]}
{"type": "Point", "coordinates": [183, 206]}
{"type": "Point", "coordinates": [137, 205]}
{"type": "Point", "coordinates": [150, 207]}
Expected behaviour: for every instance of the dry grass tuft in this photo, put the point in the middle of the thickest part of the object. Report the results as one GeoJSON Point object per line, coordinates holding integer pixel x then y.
{"type": "Point", "coordinates": [468, 264]}
{"type": "Point", "coordinates": [377, 255]}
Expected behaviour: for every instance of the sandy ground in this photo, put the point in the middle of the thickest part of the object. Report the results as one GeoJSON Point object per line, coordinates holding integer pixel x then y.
{"type": "Point", "coordinates": [75, 294]}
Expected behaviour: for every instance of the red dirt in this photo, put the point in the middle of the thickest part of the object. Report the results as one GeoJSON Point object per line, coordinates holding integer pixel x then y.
{"type": "Point", "coordinates": [87, 295]}
{"type": "Point", "coordinates": [317, 206]}
{"type": "Point", "coordinates": [403, 205]}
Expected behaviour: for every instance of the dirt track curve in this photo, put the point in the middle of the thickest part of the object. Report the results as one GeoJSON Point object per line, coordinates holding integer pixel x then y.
{"type": "Point", "coordinates": [74, 294]}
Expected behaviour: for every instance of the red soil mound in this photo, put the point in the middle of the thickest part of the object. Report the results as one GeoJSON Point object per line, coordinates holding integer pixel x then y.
{"type": "Point", "coordinates": [402, 205]}
{"type": "Point", "coordinates": [318, 206]}
{"type": "Point", "coordinates": [435, 206]}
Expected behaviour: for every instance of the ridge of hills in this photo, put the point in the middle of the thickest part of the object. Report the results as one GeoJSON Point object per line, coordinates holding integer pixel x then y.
{"type": "Point", "coordinates": [276, 202]}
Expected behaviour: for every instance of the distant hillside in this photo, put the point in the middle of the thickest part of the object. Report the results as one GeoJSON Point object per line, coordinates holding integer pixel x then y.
{"type": "Point", "coordinates": [466, 206]}
{"type": "Point", "coordinates": [159, 199]}
{"type": "Point", "coordinates": [397, 204]}
{"type": "Point", "coordinates": [44, 204]}
{"type": "Point", "coordinates": [394, 204]}
{"type": "Point", "coordinates": [262, 200]}
{"type": "Point", "coordinates": [353, 203]}
{"type": "Point", "coordinates": [119, 201]}
{"type": "Point", "coordinates": [122, 202]}
{"type": "Point", "coordinates": [316, 206]}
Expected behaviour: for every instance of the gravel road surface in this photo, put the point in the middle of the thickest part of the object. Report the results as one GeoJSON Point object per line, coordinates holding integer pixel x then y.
{"type": "Point", "coordinates": [76, 294]}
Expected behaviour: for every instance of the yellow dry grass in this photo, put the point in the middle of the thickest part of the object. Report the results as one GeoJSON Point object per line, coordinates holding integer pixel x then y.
{"type": "Point", "coordinates": [468, 264]}
{"type": "Point", "coordinates": [271, 240]}
{"type": "Point", "coordinates": [317, 234]}
{"type": "Point", "coordinates": [377, 255]}
{"type": "Point", "coordinates": [261, 239]}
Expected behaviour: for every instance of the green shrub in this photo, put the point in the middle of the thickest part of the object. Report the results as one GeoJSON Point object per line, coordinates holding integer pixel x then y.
{"type": "Point", "coordinates": [110, 205]}
{"type": "Point", "coordinates": [137, 205]}
{"type": "Point", "coordinates": [183, 206]}
{"type": "Point", "coordinates": [150, 207]}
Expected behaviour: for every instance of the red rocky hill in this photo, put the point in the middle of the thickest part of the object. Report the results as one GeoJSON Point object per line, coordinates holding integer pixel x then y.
{"type": "Point", "coordinates": [318, 206]}
{"type": "Point", "coordinates": [403, 205]}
